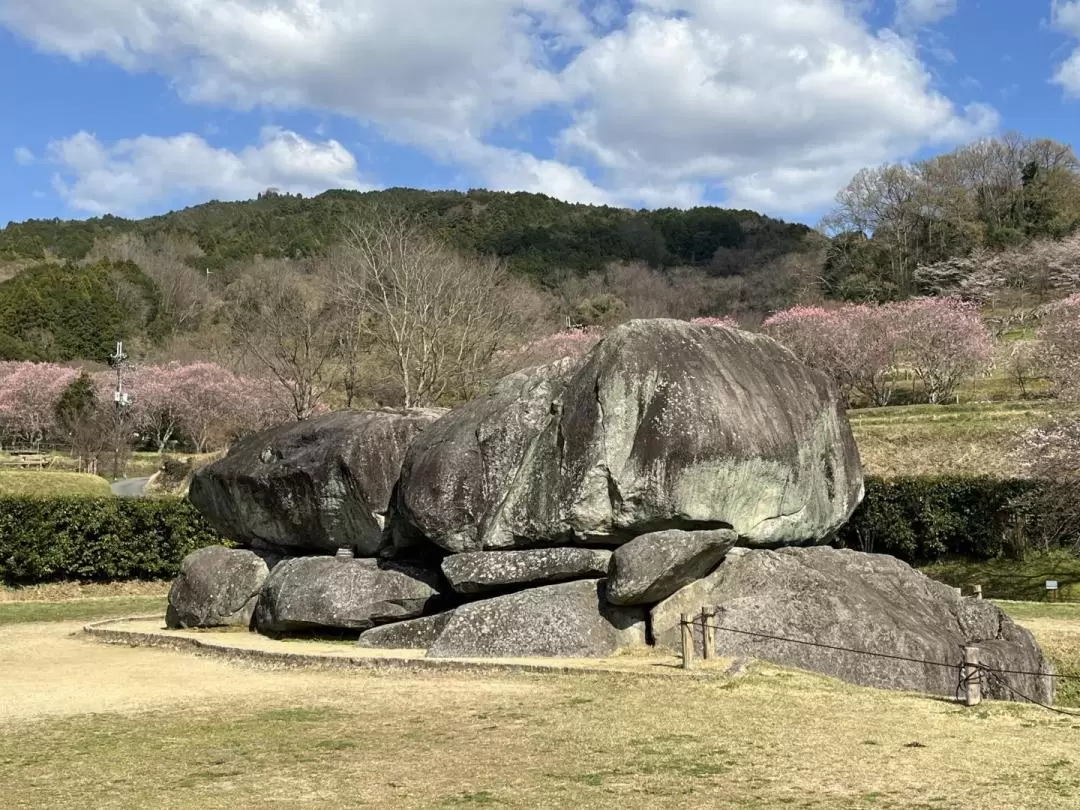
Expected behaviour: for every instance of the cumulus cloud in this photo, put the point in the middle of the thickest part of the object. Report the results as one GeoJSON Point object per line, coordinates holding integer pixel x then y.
{"type": "Point", "coordinates": [1065, 15]}
{"type": "Point", "coordinates": [23, 156]}
{"type": "Point", "coordinates": [918, 13]}
{"type": "Point", "coordinates": [126, 176]}
{"type": "Point", "coordinates": [779, 103]}
{"type": "Point", "coordinates": [661, 101]}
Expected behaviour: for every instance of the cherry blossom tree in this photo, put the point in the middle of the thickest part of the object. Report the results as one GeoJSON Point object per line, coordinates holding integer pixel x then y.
{"type": "Point", "coordinates": [860, 346]}
{"type": "Point", "coordinates": [155, 403]}
{"type": "Point", "coordinates": [28, 396]}
{"type": "Point", "coordinates": [725, 321]}
{"type": "Point", "coordinates": [1060, 337]}
{"type": "Point", "coordinates": [823, 339]}
{"type": "Point", "coordinates": [548, 349]}
{"type": "Point", "coordinates": [1051, 451]}
{"type": "Point", "coordinates": [210, 403]}
{"type": "Point", "coordinates": [944, 341]}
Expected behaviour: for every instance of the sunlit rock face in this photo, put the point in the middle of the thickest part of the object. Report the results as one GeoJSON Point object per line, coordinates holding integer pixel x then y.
{"type": "Point", "coordinates": [664, 425]}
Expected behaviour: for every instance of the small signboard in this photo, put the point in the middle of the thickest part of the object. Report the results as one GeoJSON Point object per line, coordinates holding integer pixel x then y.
{"type": "Point", "coordinates": [1051, 585]}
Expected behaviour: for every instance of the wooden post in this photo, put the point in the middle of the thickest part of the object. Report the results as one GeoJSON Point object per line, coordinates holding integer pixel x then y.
{"type": "Point", "coordinates": [972, 677]}
{"type": "Point", "coordinates": [978, 591]}
{"type": "Point", "coordinates": [687, 641]}
{"type": "Point", "coordinates": [708, 639]}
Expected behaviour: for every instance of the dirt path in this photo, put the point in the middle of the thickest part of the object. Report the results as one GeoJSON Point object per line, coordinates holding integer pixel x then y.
{"type": "Point", "coordinates": [52, 670]}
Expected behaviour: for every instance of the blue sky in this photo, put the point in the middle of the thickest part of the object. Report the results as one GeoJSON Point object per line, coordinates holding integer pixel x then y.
{"type": "Point", "coordinates": [136, 107]}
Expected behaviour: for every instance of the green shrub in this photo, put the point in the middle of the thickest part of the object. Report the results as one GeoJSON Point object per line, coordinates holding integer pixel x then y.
{"type": "Point", "coordinates": [88, 539]}
{"type": "Point", "coordinates": [925, 519]}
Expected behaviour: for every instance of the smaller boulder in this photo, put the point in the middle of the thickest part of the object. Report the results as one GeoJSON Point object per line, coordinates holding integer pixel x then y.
{"type": "Point", "coordinates": [569, 620]}
{"type": "Point", "coordinates": [650, 568]}
{"type": "Point", "coordinates": [311, 593]}
{"type": "Point", "coordinates": [216, 587]}
{"type": "Point", "coordinates": [313, 486]}
{"type": "Point", "coordinates": [485, 571]}
{"type": "Point", "coordinates": [853, 614]}
{"type": "Point", "coordinates": [414, 634]}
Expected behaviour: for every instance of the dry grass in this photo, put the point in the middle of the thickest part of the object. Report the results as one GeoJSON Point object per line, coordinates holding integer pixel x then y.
{"type": "Point", "coordinates": [64, 591]}
{"type": "Point", "coordinates": [975, 439]}
{"type": "Point", "coordinates": [91, 725]}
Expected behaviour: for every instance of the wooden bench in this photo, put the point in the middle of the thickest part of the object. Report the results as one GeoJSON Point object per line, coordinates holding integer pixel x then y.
{"type": "Point", "coordinates": [25, 461]}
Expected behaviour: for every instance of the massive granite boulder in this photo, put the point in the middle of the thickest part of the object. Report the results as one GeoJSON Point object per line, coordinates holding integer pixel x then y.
{"type": "Point", "coordinates": [312, 486]}
{"type": "Point", "coordinates": [665, 424]}
{"type": "Point", "coordinates": [216, 587]}
{"type": "Point", "coordinates": [857, 601]}
{"type": "Point", "coordinates": [316, 593]}
{"type": "Point", "coordinates": [652, 567]}
{"type": "Point", "coordinates": [570, 620]}
{"type": "Point", "coordinates": [485, 571]}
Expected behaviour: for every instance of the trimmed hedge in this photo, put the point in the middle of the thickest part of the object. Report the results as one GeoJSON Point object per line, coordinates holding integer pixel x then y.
{"type": "Point", "coordinates": [97, 539]}
{"type": "Point", "coordinates": [919, 520]}
{"type": "Point", "coordinates": [925, 519]}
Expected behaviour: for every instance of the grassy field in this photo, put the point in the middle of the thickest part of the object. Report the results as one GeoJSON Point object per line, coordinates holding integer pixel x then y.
{"type": "Point", "coordinates": [1013, 579]}
{"type": "Point", "coordinates": [975, 438]}
{"type": "Point", "coordinates": [83, 610]}
{"type": "Point", "coordinates": [48, 483]}
{"type": "Point", "coordinates": [85, 724]}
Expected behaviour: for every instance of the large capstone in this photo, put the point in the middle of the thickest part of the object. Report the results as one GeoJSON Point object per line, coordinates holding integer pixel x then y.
{"type": "Point", "coordinates": [485, 571]}
{"type": "Point", "coordinates": [315, 593]}
{"type": "Point", "coordinates": [216, 587]}
{"type": "Point", "coordinates": [861, 602]}
{"type": "Point", "coordinates": [665, 425]}
{"type": "Point", "coordinates": [313, 486]}
{"type": "Point", "coordinates": [652, 567]}
{"type": "Point", "coordinates": [570, 619]}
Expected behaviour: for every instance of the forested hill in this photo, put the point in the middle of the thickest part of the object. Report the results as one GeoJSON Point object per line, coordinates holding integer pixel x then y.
{"type": "Point", "coordinates": [538, 235]}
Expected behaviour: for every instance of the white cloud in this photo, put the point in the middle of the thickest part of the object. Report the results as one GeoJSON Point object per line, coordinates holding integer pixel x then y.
{"type": "Point", "coordinates": [128, 175]}
{"type": "Point", "coordinates": [1065, 15]}
{"type": "Point", "coordinates": [912, 14]}
{"type": "Point", "coordinates": [778, 101]}
{"type": "Point", "coordinates": [23, 156]}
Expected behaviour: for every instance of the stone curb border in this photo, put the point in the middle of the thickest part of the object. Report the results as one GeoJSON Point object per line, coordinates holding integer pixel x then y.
{"type": "Point", "coordinates": [102, 632]}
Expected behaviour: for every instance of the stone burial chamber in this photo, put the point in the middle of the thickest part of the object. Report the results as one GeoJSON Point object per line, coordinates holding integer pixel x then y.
{"type": "Point", "coordinates": [577, 509]}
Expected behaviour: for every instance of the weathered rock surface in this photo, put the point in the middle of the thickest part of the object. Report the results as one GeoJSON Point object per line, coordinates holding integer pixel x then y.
{"type": "Point", "coordinates": [413, 634]}
{"type": "Point", "coordinates": [216, 587]}
{"type": "Point", "coordinates": [459, 470]}
{"type": "Point", "coordinates": [665, 424]}
{"type": "Point", "coordinates": [485, 571]}
{"type": "Point", "coordinates": [308, 593]}
{"type": "Point", "coordinates": [652, 567]}
{"type": "Point", "coordinates": [312, 486]}
{"type": "Point", "coordinates": [868, 602]}
{"type": "Point", "coordinates": [570, 619]}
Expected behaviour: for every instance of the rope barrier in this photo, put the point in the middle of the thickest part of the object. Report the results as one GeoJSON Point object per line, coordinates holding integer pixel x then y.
{"type": "Point", "coordinates": [890, 656]}
{"type": "Point", "coordinates": [967, 673]}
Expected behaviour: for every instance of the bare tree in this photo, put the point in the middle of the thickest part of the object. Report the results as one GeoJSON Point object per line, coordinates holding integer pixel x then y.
{"type": "Point", "coordinates": [184, 291]}
{"type": "Point", "coordinates": [291, 328]}
{"type": "Point", "coordinates": [438, 316]}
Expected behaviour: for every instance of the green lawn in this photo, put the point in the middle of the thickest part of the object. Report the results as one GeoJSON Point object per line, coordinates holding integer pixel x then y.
{"type": "Point", "coordinates": [49, 483]}
{"type": "Point", "coordinates": [1023, 581]}
{"type": "Point", "coordinates": [80, 609]}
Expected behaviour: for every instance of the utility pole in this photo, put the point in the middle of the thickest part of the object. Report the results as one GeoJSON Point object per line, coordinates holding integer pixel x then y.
{"type": "Point", "coordinates": [121, 400]}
